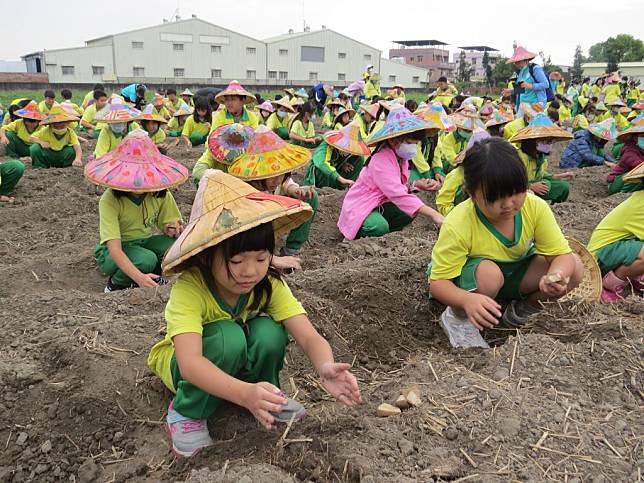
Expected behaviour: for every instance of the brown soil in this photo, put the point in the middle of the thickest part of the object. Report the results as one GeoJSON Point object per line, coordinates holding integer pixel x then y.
{"type": "Point", "coordinates": [561, 400]}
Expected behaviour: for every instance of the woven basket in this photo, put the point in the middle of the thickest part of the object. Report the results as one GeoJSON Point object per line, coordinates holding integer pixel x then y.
{"type": "Point", "coordinates": [590, 288]}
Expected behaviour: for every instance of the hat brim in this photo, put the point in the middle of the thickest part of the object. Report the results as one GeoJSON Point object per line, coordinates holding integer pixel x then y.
{"type": "Point", "coordinates": [332, 137]}
{"type": "Point", "coordinates": [635, 174]}
{"type": "Point", "coordinates": [633, 131]}
{"type": "Point", "coordinates": [548, 132]}
{"type": "Point", "coordinates": [59, 118]}
{"type": "Point", "coordinates": [377, 137]}
{"type": "Point", "coordinates": [337, 117]}
{"type": "Point", "coordinates": [151, 117]}
{"type": "Point", "coordinates": [285, 105]}
{"type": "Point", "coordinates": [248, 97]}
{"type": "Point", "coordinates": [590, 288]}
{"type": "Point", "coordinates": [283, 157]}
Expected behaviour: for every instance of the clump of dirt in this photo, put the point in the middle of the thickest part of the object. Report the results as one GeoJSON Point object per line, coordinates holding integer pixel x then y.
{"type": "Point", "coordinates": [558, 400]}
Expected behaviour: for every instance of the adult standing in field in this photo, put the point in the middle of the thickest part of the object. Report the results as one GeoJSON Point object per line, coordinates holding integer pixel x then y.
{"type": "Point", "coordinates": [532, 83]}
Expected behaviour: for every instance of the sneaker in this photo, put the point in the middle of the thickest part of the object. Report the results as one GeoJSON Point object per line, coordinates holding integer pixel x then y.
{"type": "Point", "coordinates": [162, 281]}
{"type": "Point", "coordinates": [188, 436]}
{"type": "Point", "coordinates": [613, 288]}
{"type": "Point", "coordinates": [112, 287]}
{"type": "Point", "coordinates": [289, 252]}
{"type": "Point", "coordinates": [460, 331]}
{"type": "Point", "coordinates": [517, 313]}
{"type": "Point", "coordinates": [291, 410]}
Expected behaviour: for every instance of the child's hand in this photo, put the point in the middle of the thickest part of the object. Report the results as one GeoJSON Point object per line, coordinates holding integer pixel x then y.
{"type": "Point", "coordinates": [304, 192]}
{"type": "Point", "coordinates": [147, 280]}
{"type": "Point", "coordinates": [345, 181]}
{"type": "Point", "coordinates": [262, 399]}
{"type": "Point", "coordinates": [340, 383]}
{"type": "Point", "coordinates": [77, 162]}
{"type": "Point", "coordinates": [554, 284]}
{"type": "Point", "coordinates": [207, 124]}
{"type": "Point", "coordinates": [287, 263]}
{"type": "Point", "coordinates": [346, 168]}
{"type": "Point", "coordinates": [439, 177]}
{"type": "Point", "coordinates": [426, 184]}
{"type": "Point", "coordinates": [44, 144]}
{"type": "Point", "coordinates": [610, 164]}
{"type": "Point", "coordinates": [173, 229]}
{"type": "Point", "coordinates": [4, 141]}
{"type": "Point", "coordinates": [162, 146]}
{"type": "Point", "coordinates": [568, 176]}
{"type": "Point", "coordinates": [539, 188]}
{"type": "Point", "coordinates": [482, 311]}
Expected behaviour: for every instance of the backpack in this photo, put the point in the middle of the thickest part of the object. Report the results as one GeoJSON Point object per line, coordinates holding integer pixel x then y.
{"type": "Point", "coordinates": [549, 94]}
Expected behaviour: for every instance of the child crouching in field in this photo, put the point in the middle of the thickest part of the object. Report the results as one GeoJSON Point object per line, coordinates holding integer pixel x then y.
{"type": "Point", "coordinates": [136, 203]}
{"type": "Point", "coordinates": [502, 243]}
{"type": "Point", "coordinates": [230, 315]}
{"type": "Point", "coordinates": [55, 144]}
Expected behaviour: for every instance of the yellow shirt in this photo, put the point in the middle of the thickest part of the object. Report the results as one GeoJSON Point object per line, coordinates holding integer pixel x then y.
{"type": "Point", "coordinates": [190, 127]}
{"type": "Point", "coordinates": [511, 128]}
{"type": "Point", "coordinates": [86, 100]}
{"type": "Point", "coordinates": [42, 107]}
{"type": "Point", "coordinates": [163, 112]}
{"type": "Point", "coordinates": [193, 305]}
{"type": "Point", "coordinates": [107, 141]}
{"type": "Point", "coordinates": [536, 171]}
{"type": "Point", "coordinates": [57, 143]}
{"type": "Point", "coordinates": [223, 117]}
{"type": "Point", "coordinates": [120, 218]}
{"type": "Point", "coordinates": [90, 116]}
{"type": "Point", "coordinates": [580, 122]}
{"type": "Point", "coordinates": [327, 121]}
{"type": "Point", "coordinates": [564, 113]}
{"type": "Point", "coordinates": [611, 92]}
{"type": "Point", "coordinates": [275, 122]}
{"type": "Point", "coordinates": [18, 127]}
{"type": "Point", "coordinates": [466, 233]}
{"type": "Point", "coordinates": [158, 137]}
{"type": "Point", "coordinates": [173, 124]}
{"type": "Point", "coordinates": [451, 146]}
{"type": "Point", "coordinates": [298, 128]}
{"type": "Point", "coordinates": [625, 222]}
{"type": "Point", "coordinates": [621, 122]}
{"type": "Point", "coordinates": [446, 199]}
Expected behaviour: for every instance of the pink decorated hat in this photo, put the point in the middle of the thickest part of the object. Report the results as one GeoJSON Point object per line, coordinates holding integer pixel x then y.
{"type": "Point", "coordinates": [348, 139]}
{"type": "Point", "coordinates": [136, 166]}
{"type": "Point", "coordinates": [30, 111]}
{"type": "Point", "coordinates": [228, 142]}
{"type": "Point", "coordinates": [398, 123]}
{"type": "Point", "coordinates": [235, 89]}
{"type": "Point", "coordinates": [266, 106]}
{"type": "Point", "coordinates": [499, 118]}
{"type": "Point", "coordinates": [520, 54]}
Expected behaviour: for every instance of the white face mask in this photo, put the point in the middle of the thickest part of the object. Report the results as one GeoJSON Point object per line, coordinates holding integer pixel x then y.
{"type": "Point", "coordinates": [281, 114]}
{"type": "Point", "coordinates": [407, 151]}
{"type": "Point", "coordinates": [544, 148]}
{"type": "Point", "coordinates": [60, 131]}
{"type": "Point", "coordinates": [118, 128]}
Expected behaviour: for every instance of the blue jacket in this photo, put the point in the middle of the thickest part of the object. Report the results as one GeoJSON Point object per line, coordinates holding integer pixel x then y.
{"type": "Point", "coordinates": [580, 151]}
{"type": "Point", "coordinates": [539, 85]}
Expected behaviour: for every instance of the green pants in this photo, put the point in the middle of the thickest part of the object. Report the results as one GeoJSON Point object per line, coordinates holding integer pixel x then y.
{"type": "Point", "coordinates": [16, 148]}
{"type": "Point", "coordinates": [282, 132]}
{"type": "Point", "coordinates": [10, 173]}
{"type": "Point", "coordinates": [48, 158]}
{"type": "Point", "coordinates": [174, 134]}
{"type": "Point", "coordinates": [303, 144]}
{"type": "Point", "coordinates": [297, 237]}
{"type": "Point", "coordinates": [618, 186]}
{"type": "Point", "coordinates": [97, 132]}
{"type": "Point", "coordinates": [322, 180]}
{"type": "Point", "coordinates": [558, 190]}
{"type": "Point", "coordinates": [618, 254]}
{"type": "Point", "coordinates": [198, 139]}
{"type": "Point", "coordinates": [254, 355]}
{"type": "Point", "coordinates": [415, 175]}
{"type": "Point", "coordinates": [146, 255]}
{"type": "Point", "coordinates": [616, 150]}
{"type": "Point", "coordinates": [383, 220]}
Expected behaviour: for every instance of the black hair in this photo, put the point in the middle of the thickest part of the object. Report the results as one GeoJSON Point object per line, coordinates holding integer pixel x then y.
{"type": "Point", "coordinates": [50, 93]}
{"type": "Point", "coordinates": [99, 87]}
{"type": "Point", "coordinates": [258, 98]}
{"type": "Point", "coordinates": [553, 115]}
{"type": "Point", "coordinates": [529, 147]}
{"type": "Point", "coordinates": [494, 166]}
{"type": "Point", "coordinates": [202, 103]}
{"type": "Point", "coordinates": [495, 130]}
{"type": "Point", "coordinates": [555, 104]}
{"type": "Point", "coordinates": [140, 90]}
{"type": "Point", "coordinates": [278, 97]}
{"type": "Point", "coordinates": [411, 105]}
{"type": "Point", "coordinates": [170, 91]}
{"type": "Point", "coordinates": [66, 94]}
{"type": "Point", "coordinates": [145, 122]}
{"type": "Point", "coordinates": [156, 194]}
{"type": "Point", "coordinates": [259, 238]}
{"type": "Point", "coordinates": [586, 79]}
{"type": "Point", "coordinates": [98, 94]}
{"type": "Point", "coordinates": [442, 79]}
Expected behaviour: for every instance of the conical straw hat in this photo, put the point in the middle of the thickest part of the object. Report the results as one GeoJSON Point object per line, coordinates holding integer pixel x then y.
{"type": "Point", "coordinates": [467, 122]}
{"type": "Point", "coordinates": [283, 102]}
{"type": "Point", "coordinates": [117, 113]}
{"type": "Point", "coordinates": [541, 127]}
{"type": "Point", "coordinates": [499, 118]}
{"type": "Point", "coordinates": [235, 89]}
{"type": "Point", "coordinates": [342, 111]}
{"type": "Point", "coordinates": [184, 110]}
{"type": "Point", "coordinates": [268, 156]}
{"type": "Point", "coordinates": [149, 114]}
{"type": "Point", "coordinates": [30, 111]}
{"type": "Point", "coordinates": [520, 53]}
{"type": "Point", "coordinates": [348, 139]}
{"type": "Point", "coordinates": [136, 166]}
{"type": "Point", "coordinates": [398, 123]}
{"type": "Point", "coordinates": [226, 206]}
{"type": "Point", "coordinates": [636, 173]}
{"type": "Point", "coordinates": [635, 127]}
{"type": "Point", "coordinates": [590, 288]}
{"type": "Point", "coordinates": [371, 109]}
{"type": "Point", "coordinates": [58, 114]}
{"type": "Point", "coordinates": [604, 130]}
{"type": "Point", "coordinates": [228, 142]}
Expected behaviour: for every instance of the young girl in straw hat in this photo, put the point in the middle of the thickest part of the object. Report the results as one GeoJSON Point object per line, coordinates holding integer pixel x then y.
{"type": "Point", "coordinates": [427, 163]}
{"type": "Point", "coordinates": [266, 164]}
{"type": "Point", "coordinates": [535, 144]}
{"type": "Point", "coordinates": [330, 112]}
{"type": "Point", "coordinates": [265, 109]}
{"type": "Point", "coordinates": [178, 121]}
{"type": "Point", "coordinates": [55, 144]}
{"type": "Point", "coordinates": [136, 203]}
{"type": "Point", "coordinates": [302, 129]}
{"type": "Point", "coordinates": [16, 136]}
{"type": "Point", "coordinates": [502, 243]}
{"type": "Point", "coordinates": [381, 200]}
{"type": "Point", "coordinates": [117, 120]}
{"type": "Point", "coordinates": [338, 159]}
{"type": "Point", "coordinates": [631, 156]}
{"type": "Point", "coordinates": [343, 117]}
{"type": "Point", "coordinates": [230, 315]}
{"type": "Point", "coordinates": [151, 123]}
{"type": "Point", "coordinates": [278, 121]}
{"type": "Point", "coordinates": [197, 126]}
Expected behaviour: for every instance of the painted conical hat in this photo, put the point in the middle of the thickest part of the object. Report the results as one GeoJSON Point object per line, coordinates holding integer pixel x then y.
{"type": "Point", "coordinates": [499, 118]}
{"type": "Point", "coordinates": [371, 109]}
{"type": "Point", "coordinates": [541, 127]}
{"type": "Point", "coordinates": [348, 139]}
{"type": "Point", "coordinates": [58, 114]}
{"type": "Point", "coordinates": [187, 92]}
{"type": "Point", "coordinates": [467, 122]}
{"type": "Point", "coordinates": [114, 113]}
{"type": "Point", "coordinates": [136, 166]}
{"type": "Point", "coordinates": [398, 123]}
{"type": "Point", "coordinates": [228, 142]}
{"type": "Point", "coordinates": [429, 111]}
{"type": "Point", "coordinates": [617, 102]}
{"type": "Point", "coordinates": [266, 106]}
{"type": "Point", "coordinates": [636, 173]}
{"type": "Point", "coordinates": [283, 102]}
{"type": "Point", "coordinates": [268, 156]}
{"type": "Point", "coordinates": [30, 111]}
{"type": "Point", "coordinates": [150, 114]}
{"type": "Point", "coordinates": [487, 109]}
{"type": "Point", "coordinates": [301, 93]}
{"type": "Point", "coordinates": [341, 112]}
{"type": "Point", "coordinates": [520, 53]}
{"type": "Point", "coordinates": [235, 89]}
{"type": "Point", "coordinates": [635, 127]}
{"type": "Point", "coordinates": [604, 130]}
{"type": "Point", "coordinates": [184, 110]}
{"type": "Point", "coordinates": [226, 206]}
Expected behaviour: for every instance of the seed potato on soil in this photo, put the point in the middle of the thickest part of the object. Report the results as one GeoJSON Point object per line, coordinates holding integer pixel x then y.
{"type": "Point", "coordinates": [559, 400]}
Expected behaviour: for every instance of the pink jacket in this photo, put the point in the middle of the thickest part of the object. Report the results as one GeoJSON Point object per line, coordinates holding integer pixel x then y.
{"type": "Point", "coordinates": [381, 181]}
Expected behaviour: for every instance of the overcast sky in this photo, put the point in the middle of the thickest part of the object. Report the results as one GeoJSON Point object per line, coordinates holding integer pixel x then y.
{"type": "Point", "coordinates": [557, 27]}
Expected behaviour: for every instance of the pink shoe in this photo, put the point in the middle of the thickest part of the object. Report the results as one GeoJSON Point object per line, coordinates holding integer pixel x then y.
{"type": "Point", "coordinates": [613, 288]}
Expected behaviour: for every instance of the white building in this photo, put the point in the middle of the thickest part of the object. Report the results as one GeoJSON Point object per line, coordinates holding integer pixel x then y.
{"type": "Point", "coordinates": [474, 58]}
{"type": "Point", "coordinates": [392, 72]}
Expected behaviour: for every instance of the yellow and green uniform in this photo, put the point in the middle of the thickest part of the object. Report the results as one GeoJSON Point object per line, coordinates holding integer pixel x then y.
{"type": "Point", "coordinates": [511, 128]}
{"type": "Point", "coordinates": [451, 146]}
{"type": "Point", "coordinates": [451, 193]}
{"type": "Point", "coordinates": [241, 342]}
{"type": "Point", "coordinates": [107, 141]}
{"type": "Point", "coordinates": [42, 107]}
{"type": "Point", "coordinates": [307, 132]}
{"type": "Point", "coordinates": [621, 122]}
{"type": "Point", "coordinates": [163, 112]}
{"type": "Point", "coordinates": [364, 128]}
{"type": "Point", "coordinates": [445, 96]}
{"type": "Point", "coordinates": [579, 122]}
{"type": "Point", "coordinates": [558, 189]}
{"type": "Point", "coordinates": [585, 89]}
{"type": "Point", "coordinates": [174, 129]}
{"type": "Point", "coordinates": [90, 116]}
{"type": "Point", "coordinates": [174, 105]}
{"type": "Point", "coordinates": [564, 113]}
{"type": "Point", "coordinates": [611, 92]}
{"type": "Point", "coordinates": [279, 125]}
{"type": "Point", "coordinates": [221, 118]}
{"type": "Point", "coordinates": [420, 166]}
{"type": "Point", "coordinates": [371, 90]}
{"type": "Point", "coordinates": [10, 173]}
{"type": "Point", "coordinates": [133, 220]}
{"type": "Point", "coordinates": [325, 162]}
{"type": "Point", "coordinates": [197, 132]}
{"type": "Point", "coordinates": [595, 90]}
{"type": "Point", "coordinates": [60, 153]}
{"type": "Point", "coordinates": [618, 239]}
{"type": "Point", "coordinates": [633, 96]}
{"type": "Point", "coordinates": [7, 118]}
{"type": "Point", "coordinates": [561, 88]}
{"type": "Point", "coordinates": [467, 238]}
{"type": "Point", "coordinates": [87, 99]}
{"type": "Point", "coordinates": [18, 136]}
{"type": "Point", "coordinates": [327, 120]}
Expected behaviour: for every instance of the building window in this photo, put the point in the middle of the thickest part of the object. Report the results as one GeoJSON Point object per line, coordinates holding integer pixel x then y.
{"type": "Point", "coordinates": [341, 76]}
{"type": "Point", "coordinates": [272, 74]}
{"type": "Point", "coordinates": [251, 51]}
{"type": "Point", "coordinates": [420, 58]}
{"type": "Point", "coordinates": [215, 73]}
{"type": "Point", "coordinates": [367, 57]}
{"type": "Point", "coordinates": [179, 72]}
{"type": "Point", "coordinates": [392, 78]}
{"type": "Point", "coordinates": [67, 69]}
{"type": "Point", "coordinates": [215, 49]}
{"type": "Point", "coordinates": [283, 52]}
{"type": "Point", "coordinates": [313, 76]}
{"type": "Point", "coordinates": [415, 79]}
{"type": "Point", "coordinates": [251, 74]}
{"type": "Point", "coordinates": [98, 70]}
{"type": "Point", "coordinates": [312, 54]}
{"type": "Point", "coordinates": [138, 71]}
{"type": "Point", "coordinates": [137, 45]}
{"type": "Point", "coordinates": [177, 47]}
{"type": "Point", "coordinates": [283, 75]}
{"type": "Point", "coordinates": [411, 60]}
{"type": "Point", "coordinates": [342, 55]}
{"type": "Point", "coordinates": [474, 61]}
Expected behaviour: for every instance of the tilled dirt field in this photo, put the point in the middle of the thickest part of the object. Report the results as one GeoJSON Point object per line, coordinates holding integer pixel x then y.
{"type": "Point", "coordinates": [560, 400]}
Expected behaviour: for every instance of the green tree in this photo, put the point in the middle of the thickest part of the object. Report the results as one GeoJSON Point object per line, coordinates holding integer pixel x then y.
{"type": "Point", "coordinates": [577, 72]}
{"type": "Point", "coordinates": [547, 63]}
{"type": "Point", "coordinates": [502, 72]}
{"type": "Point", "coordinates": [621, 48]}
{"type": "Point", "coordinates": [464, 71]}
{"type": "Point", "coordinates": [487, 68]}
